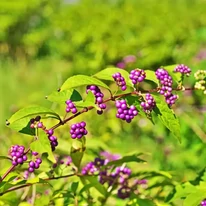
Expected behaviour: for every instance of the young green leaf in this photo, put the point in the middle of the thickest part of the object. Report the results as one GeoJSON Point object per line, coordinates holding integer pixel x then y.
{"type": "Point", "coordinates": [89, 101]}
{"type": "Point", "coordinates": [176, 76]}
{"type": "Point", "coordinates": [23, 126]}
{"type": "Point", "coordinates": [42, 145]}
{"type": "Point", "coordinates": [62, 96]}
{"type": "Point", "coordinates": [106, 74]}
{"type": "Point", "coordinates": [81, 80]}
{"type": "Point", "coordinates": [77, 151]}
{"type": "Point", "coordinates": [168, 118]}
{"type": "Point", "coordinates": [150, 75]}
{"type": "Point", "coordinates": [31, 111]}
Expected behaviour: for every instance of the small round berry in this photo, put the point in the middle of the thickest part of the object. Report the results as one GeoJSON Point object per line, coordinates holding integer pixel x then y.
{"type": "Point", "coordinates": [37, 118]}
{"type": "Point", "coordinates": [31, 169]}
{"type": "Point", "coordinates": [50, 132]}
{"type": "Point", "coordinates": [40, 125]}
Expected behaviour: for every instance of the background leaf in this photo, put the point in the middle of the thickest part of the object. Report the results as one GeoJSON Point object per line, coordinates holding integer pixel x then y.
{"type": "Point", "coordinates": [95, 183]}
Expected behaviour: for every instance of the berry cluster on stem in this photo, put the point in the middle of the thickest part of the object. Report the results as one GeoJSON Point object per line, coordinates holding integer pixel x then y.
{"type": "Point", "coordinates": [120, 81]}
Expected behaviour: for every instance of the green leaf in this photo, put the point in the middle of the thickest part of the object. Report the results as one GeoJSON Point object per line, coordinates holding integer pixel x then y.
{"type": "Point", "coordinates": [62, 96]}
{"type": "Point", "coordinates": [106, 74]}
{"type": "Point", "coordinates": [176, 76]}
{"type": "Point", "coordinates": [31, 111]}
{"type": "Point", "coordinates": [168, 118]}
{"type": "Point", "coordinates": [23, 126]}
{"type": "Point", "coordinates": [81, 80]}
{"type": "Point", "coordinates": [125, 159]}
{"type": "Point", "coordinates": [150, 75]}
{"type": "Point", "coordinates": [89, 101]}
{"type": "Point", "coordinates": [77, 151]}
{"type": "Point", "coordinates": [195, 198]}
{"type": "Point", "coordinates": [144, 202]}
{"type": "Point", "coordinates": [85, 188]}
{"type": "Point", "coordinates": [25, 204]}
{"type": "Point", "coordinates": [5, 157]}
{"type": "Point", "coordinates": [96, 184]}
{"type": "Point", "coordinates": [42, 145]}
{"type": "Point", "coordinates": [33, 180]}
{"type": "Point", "coordinates": [181, 191]}
{"type": "Point", "coordinates": [74, 186]}
{"type": "Point", "coordinates": [151, 174]}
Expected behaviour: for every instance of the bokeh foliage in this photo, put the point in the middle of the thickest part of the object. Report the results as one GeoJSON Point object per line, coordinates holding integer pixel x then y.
{"type": "Point", "coordinates": [42, 42]}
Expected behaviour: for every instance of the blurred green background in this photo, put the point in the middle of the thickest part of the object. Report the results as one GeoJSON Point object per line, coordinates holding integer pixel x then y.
{"type": "Point", "coordinates": [43, 42]}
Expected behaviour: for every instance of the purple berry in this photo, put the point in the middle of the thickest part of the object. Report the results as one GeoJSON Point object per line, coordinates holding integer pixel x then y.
{"type": "Point", "coordinates": [31, 164]}
{"type": "Point", "coordinates": [31, 169]}
{"type": "Point", "coordinates": [124, 192]}
{"type": "Point", "coordinates": [38, 160]}
{"type": "Point", "coordinates": [35, 153]}
{"type": "Point", "coordinates": [50, 132]}
{"type": "Point", "coordinates": [40, 125]}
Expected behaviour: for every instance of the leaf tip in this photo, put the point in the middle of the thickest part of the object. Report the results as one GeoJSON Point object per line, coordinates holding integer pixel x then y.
{"type": "Point", "coordinates": [7, 123]}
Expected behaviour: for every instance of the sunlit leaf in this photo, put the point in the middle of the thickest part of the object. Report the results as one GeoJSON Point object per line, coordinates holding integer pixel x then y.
{"type": "Point", "coordinates": [42, 145]}
{"type": "Point", "coordinates": [81, 80]}
{"type": "Point", "coordinates": [62, 96]}
{"type": "Point", "coordinates": [106, 74]}
{"type": "Point", "coordinates": [167, 117]}
{"type": "Point", "coordinates": [31, 111]}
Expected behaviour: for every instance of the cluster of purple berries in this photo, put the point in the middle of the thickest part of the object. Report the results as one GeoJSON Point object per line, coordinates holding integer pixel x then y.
{"type": "Point", "coordinates": [35, 123]}
{"type": "Point", "coordinates": [137, 75]}
{"type": "Point", "coordinates": [34, 165]}
{"type": "Point", "coordinates": [203, 203]}
{"type": "Point", "coordinates": [70, 107]}
{"type": "Point", "coordinates": [166, 86]}
{"type": "Point", "coordinates": [17, 154]}
{"type": "Point", "coordinates": [66, 160]}
{"type": "Point", "coordinates": [183, 69]}
{"type": "Point", "coordinates": [124, 112]}
{"type": "Point", "coordinates": [52, 139]}
{"type": "Point", "coordinates": [78, 130]}
{"type": "Point", "coordinates": [99, 97]}
{"type": "Point", "coordinates": [120, 81]}
{"type": "Point", "coordinates": [119, 177]}
{"type": "Point", "coordinates": [149, 103]}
